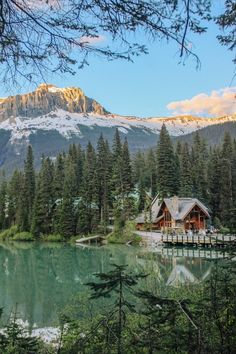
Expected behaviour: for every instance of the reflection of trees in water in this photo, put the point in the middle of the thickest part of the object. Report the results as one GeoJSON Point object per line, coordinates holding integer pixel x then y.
{"type": "Point", "coordinates": [42, 278]}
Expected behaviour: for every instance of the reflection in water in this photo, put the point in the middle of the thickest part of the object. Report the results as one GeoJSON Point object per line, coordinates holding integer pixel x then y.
{"type": "Point", "coordinates": [42, 278]}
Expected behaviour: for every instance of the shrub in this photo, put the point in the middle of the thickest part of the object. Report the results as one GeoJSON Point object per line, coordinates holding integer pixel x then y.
{"type": "Point", "coordinates": [53, 238]}
{"type": "Point", "coordinates": [217, 224]}
{"type": "Point", "coordinates": [127, 234]}
{"type": "Point", "coordinates": [9, 233]}
{"type": "Point", "coordinates": [224, 230]}
{"type": "Point", "coordinates": [23, 236]}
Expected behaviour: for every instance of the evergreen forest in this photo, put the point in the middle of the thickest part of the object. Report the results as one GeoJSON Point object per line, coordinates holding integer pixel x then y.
{"type": "Point", "coordinates": [83, 190]}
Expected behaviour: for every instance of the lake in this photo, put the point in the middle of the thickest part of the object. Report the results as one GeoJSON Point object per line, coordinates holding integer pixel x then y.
{"type": "Point", "coordinates": [42, 278]}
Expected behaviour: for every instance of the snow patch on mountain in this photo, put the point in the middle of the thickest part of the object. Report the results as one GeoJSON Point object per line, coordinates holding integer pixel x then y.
{"type": "Point", "coordinates": [68, 124]}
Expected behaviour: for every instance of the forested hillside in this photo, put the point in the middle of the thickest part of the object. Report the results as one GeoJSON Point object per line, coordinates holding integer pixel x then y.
{"type": "Point", "coordinates": [213, 134]}
{"type": "Point", "coordinates": [84, 189]}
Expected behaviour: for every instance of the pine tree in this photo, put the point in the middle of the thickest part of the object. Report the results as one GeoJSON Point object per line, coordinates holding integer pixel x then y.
{"type": "Point", "coordinates": [227, 146]}
{"type": "Point", "coordinates": [15, 186]}
{"type": "Point", "coordinates": [166, 166]}
{"type": "Point", "coordinates": [225, 200]}
{"type": "Point", "coordinates": [199, 158]}
{"type": "Point", "coordinates": [103, 180]}
{"type": "Point", "coordinates": [177, 160]}
{"type": "Point", "coordinates": [151, 172]}
{"type": "Point", "coordinates": [87, 214]}
{"type": "Point", "coordinates": [186, 182]}
{"type": "Point", "coordinates": [228, 152]}
{"type": "Point", "coordinates": [139, 178]}
{"type": "Point", "coordinates": [138, 166]}
{"type": "Point", "coordinates": [117, 183]}
{"type": "Point", "coordinates": [79, 166]}
{"type": "Point", "coordinates": [117, 282]}
{"type": "Point", "coordinates": [42, 212]}
{"type": "Point", "coordinates": [67, 223]}
{"type": "Point", "coordinates": [3, 205]}
{"type": "Point", "coordinates": [28, 192]}
{"type": "Point", "coordinates": [233, 174]}
{"type": "Point", "coordinates": [142, 195]}
{"type": "Point", "coordinates": [126, 170]}
{"type": "Point", "coordinates": [59, 175]}
{"type": "Point", "coordinates": [213, 181]}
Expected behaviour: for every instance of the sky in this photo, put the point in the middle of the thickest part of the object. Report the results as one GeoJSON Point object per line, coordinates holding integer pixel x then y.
{"type": "Point", "coordinates": [157, 84]}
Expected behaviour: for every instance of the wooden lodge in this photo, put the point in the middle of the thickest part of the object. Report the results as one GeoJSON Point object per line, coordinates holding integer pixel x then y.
{"type": "Point", "coordinates": [174, 213]}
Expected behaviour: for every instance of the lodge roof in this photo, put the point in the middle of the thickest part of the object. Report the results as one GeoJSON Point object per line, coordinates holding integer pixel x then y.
{"type": "Point", "coordinates": [178, 208]}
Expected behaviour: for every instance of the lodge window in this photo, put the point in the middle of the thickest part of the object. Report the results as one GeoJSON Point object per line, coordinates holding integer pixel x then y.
{"type": "Point", "coordinates": [167, 216]}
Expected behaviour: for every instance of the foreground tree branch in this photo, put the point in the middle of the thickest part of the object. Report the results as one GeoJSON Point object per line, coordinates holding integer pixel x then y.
{"type": "Point", "coordinates": [58, 36]}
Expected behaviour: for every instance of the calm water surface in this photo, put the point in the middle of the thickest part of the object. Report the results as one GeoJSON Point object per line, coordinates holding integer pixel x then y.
{"type": "Point", "coordinates": [44, 278]}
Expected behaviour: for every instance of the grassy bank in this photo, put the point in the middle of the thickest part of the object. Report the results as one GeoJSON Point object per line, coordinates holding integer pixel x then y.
{"type": "Point", "coordinates": [125, 235]}
{"type": "Point", "coordinates": [13, 234]}
{"type": "Point", "coordinates": [119, 236]}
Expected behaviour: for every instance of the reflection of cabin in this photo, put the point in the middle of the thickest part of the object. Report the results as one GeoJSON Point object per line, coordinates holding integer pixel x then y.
{"type": "Point", "coordinates": [174, 213]}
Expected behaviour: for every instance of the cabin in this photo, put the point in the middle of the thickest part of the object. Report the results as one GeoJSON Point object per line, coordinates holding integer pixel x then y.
{"type": "Point", "coordinates": [174, 213]}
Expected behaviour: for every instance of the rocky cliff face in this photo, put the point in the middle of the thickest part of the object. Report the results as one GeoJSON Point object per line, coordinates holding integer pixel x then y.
{"type": "Point", "coordinates": [47, 98]}
{"type": "Point", "coordinates": [51, 118]}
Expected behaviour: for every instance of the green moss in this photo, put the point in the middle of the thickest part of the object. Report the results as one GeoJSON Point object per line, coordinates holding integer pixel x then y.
{"type": "Point", "coordinates": [23, 236]}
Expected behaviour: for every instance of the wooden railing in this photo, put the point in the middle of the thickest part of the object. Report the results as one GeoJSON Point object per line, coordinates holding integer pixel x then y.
{"type": "Point", "coordinates": [214, 240]}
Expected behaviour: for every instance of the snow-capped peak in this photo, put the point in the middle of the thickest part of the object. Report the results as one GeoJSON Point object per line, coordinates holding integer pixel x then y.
{"type": "Point", "coordinates": [67, 109]}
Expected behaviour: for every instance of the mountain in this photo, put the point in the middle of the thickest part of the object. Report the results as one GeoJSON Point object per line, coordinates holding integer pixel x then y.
{"type": "Point", "coordinates": [212, 134]}
{"type": "Point", "coordinates": [51, 118]}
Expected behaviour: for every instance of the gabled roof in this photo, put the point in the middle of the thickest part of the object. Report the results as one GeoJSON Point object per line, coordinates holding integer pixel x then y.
{"type": "Point", "coordinates": [178, 208]}
{"type": "Point", "coordinates": [156, 205]}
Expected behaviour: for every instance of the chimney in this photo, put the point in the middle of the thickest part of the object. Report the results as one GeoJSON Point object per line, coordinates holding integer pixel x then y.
{"type": "Point", "coordinates": [175, 204]}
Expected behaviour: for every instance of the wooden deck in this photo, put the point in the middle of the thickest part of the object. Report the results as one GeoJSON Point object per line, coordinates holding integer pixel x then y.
{"type": "Point", "coordinates": [197, 240]}
{"type": "Point", "coordinates": [91, 239]}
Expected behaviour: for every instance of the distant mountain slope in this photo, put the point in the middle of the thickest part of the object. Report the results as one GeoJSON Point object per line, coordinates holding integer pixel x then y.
{"type": "Point", "coordinates": [212, 134]}
{"type": "Point", "coordinates": [51, 118]}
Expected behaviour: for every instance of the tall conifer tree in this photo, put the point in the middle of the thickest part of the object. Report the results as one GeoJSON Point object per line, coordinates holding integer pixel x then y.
{"type": "Point", "coordinates": [59, 175]}
{"type": "Point", "coordinates": [3, 205]}
{"type": "Point", "coordinates": [166, 165]}
{"type": "Point", "coordinates": [28, 192]}
{"type": "Point", "coordinates": [117, 165]}
{"type": "Point", "coordinates": [103, 179]}
{"type": "Point", "coordinates": [42, 213]}
{"type": "Point", "coordinates": [87, 208]}
{"type": "Point", "coordinates": [199, 158]}
{"type": "Point", "coordinates": [186, 182]}
{"type": "Point", "coordinates": [67, 220]}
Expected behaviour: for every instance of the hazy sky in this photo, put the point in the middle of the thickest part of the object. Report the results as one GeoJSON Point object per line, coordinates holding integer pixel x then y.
{"type": "Point", "coordinates": [147, 86]}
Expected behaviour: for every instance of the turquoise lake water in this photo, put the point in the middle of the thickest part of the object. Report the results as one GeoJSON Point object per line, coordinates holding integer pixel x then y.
{"type": "Point", "coordinates": [41, 279]}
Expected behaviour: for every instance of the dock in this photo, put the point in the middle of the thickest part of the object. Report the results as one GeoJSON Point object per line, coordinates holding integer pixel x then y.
{"type": "Point", "coordinates": [91, 239]}
{"type": "Point", "coordinates": [197, 240]}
